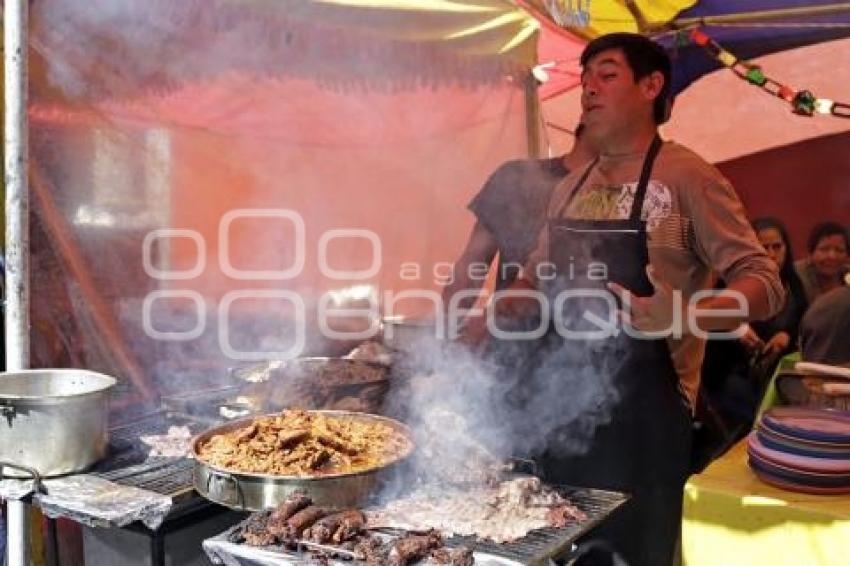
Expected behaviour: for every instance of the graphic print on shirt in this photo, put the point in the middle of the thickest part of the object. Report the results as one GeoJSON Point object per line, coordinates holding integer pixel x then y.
{"type": "Point", "coordinates": [614, 202]}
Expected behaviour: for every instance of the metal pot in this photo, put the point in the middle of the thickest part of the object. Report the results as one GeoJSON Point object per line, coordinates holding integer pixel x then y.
{"type": "Point", "coordinates": [408, 334]}
{"type": "Point", "coordinates": [54, 420]}
{"type": "Point", "coordinates": [316, 383]}
{"type": "Point", "coordinates": [255, 492]}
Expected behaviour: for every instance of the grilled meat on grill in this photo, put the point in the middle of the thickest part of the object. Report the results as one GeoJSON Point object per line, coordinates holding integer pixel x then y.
{"type": "Point", "coordinates": [371, 550]}
{"type": "Point", "coordinates": [175, 444]}
{"type": "Point", "coordinates": [411, 548]}
{"type": "Point", "coordinates": [460, 556]}
{"type": "Point", "coordinates": [337, 527]}
{"type": "Point", "coordinates": [297, 501]}
{"type": "Point", "coordinates": [262, 538]}
{"type": "Point", "coordinates": [277, 523]}
{"type": "Point", "coordinates": [278, 528]}
{"type": "Point", "coordinates": [304, 519]}
{"type": "Point", "coordinates": [323, 530]}
{"type": "Point", "coordinates": [254, 531]}
{"type": "Point", "coordinates": [352, 523]}
{"type": "Point", "coordinates": [562, 515]}
{"type": "Point", "coordinates": [503, 513]}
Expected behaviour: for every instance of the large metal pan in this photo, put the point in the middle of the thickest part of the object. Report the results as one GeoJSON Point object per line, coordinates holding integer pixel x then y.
{"type": "Point", "coordinates": [255, 492]}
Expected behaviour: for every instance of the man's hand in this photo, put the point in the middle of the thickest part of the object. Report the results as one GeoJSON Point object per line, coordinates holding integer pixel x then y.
{"type": "Point", "coordinates": [655, 313]}
{"type": "Point", "coordinates": [777, 343]}
{"type": "Point", "coordinates": [749, 339]}
{"type": "Point", "coordinates": [475, 331]}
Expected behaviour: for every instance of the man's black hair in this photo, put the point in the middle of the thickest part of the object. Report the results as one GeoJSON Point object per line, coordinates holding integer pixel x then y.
{"type": "Point", "coordinates": [644, 57]}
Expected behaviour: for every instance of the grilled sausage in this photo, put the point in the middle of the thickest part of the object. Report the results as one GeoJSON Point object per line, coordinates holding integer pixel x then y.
{"type": "Point", "coordinates": [297, 501]}
{"type": "Point", "coordinates": [304, 519]}
{"type": "Point", "coordinates": [352, 523]}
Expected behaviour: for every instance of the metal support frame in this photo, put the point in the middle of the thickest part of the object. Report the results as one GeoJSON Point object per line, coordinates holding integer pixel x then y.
{"type": "Point", "coordinates": [532, 117]}
{"type": "Point", "coordinates": [17, 313]}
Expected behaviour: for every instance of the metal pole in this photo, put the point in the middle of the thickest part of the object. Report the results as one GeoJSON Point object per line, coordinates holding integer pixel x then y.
{"type": "Point", "coordinates": [532, 117]}
{"type": "Point", "coordinates": [763, 16]}
{"type": "Point", "coordinates": [17, 233]}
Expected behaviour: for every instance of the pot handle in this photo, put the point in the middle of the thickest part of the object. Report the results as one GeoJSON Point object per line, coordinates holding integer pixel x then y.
{"type": "Point", "coordinates": [225, 479]}
{"type": "Point", "coordinates": [8, 412]}
{"type": "Point", "coordinates": [37, 484]}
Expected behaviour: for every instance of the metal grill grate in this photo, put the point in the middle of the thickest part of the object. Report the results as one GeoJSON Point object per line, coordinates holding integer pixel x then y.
{"type": "Point", "coordinates": [127, 462]}
{"type": "Point", "coordinates": [166, 476]}
{"type": "Point", "coordinates": [536, 548]}
{"type": "Point", "coordinates": [540, 545]}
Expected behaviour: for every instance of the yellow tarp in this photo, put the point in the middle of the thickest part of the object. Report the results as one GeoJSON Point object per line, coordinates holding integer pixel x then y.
{"type": "Point", "coordinates": [731, 517]}
{"type": "Point", "coordinates": [607, 16]}
{"type": "Point", "coordinates": [481, 27]}
{"type": "Point", "coordinates": [494, 25]}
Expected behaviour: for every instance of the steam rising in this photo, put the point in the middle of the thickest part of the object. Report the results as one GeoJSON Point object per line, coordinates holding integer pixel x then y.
{"type": "Point", "coordinates": [470, 415]}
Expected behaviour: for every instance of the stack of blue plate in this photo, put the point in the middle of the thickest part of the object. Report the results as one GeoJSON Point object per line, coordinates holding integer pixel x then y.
{"type": "Point", "coordinates": [802, 449]}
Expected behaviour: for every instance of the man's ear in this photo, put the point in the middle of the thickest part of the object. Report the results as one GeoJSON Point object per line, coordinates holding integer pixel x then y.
{"type": "Point", "coordinates": [652, 84]}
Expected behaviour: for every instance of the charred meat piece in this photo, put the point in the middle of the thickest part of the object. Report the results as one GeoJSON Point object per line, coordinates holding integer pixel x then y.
{"type": "Point", "coordinates": [304, 519]}
{"type": "Point", "coordinates": [317, 459]}
{"type": "Point", "coordinates": [289, 438]}
{"type": "Point", "coordinates": [371, 550]}
{"type": "Point", "coordinates": [562, 515]}
{"type": "Point", "coordinates": [297, 501]}
{"type": "Point", "coordinates": [339, 445]}
{"type": "Point", "coordinates": [336, 527]}
{"type": "Point", "coordinates": [411, 548]}
{"type": "Point", "coordinates": [279, 528]}
{"type": "Point", "coordinates": [351, 524]}
{"type": "Point", "coordinates": [323, 530]}
{"type": "Point", "coordinates": [263, 538]}
{"type": "Point", "coordinates": [460, 556]}
{"type": "Point", "coordinates": [246, 433]}
{"type": "Point", "coordinates": [254, 529]}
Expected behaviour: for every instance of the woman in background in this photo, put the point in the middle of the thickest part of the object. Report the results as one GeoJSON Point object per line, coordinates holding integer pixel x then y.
{"type": "Point", "coordinates": [735, 372]}
{"type": "Point", "coordinates": [777, 336]}
{"type": "Point", "coordinates": [826, 265]}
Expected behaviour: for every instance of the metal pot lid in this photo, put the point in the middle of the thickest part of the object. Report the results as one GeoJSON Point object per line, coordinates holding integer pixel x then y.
{"type": "Point", "coordinates": [52, 385]}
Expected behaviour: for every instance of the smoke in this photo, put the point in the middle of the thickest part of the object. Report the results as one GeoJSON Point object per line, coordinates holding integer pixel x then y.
{"type": "Point", "coordinates": [108, 47]}
{"type": "Point", "coordinates": [470, 415]}
{"type": "Point", "coordinates": [168, 115]}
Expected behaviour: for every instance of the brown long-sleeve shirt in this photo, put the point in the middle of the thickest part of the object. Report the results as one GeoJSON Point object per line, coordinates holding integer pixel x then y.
{"type": "Point", "coordinates": [697, 228]}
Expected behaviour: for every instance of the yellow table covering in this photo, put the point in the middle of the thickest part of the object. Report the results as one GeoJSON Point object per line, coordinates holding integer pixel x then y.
{"type": "Point", "coordinates": [732, 518]}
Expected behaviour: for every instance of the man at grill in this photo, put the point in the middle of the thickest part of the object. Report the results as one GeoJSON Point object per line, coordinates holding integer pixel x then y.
{"type": "Point", "coordinates": [645, 221]}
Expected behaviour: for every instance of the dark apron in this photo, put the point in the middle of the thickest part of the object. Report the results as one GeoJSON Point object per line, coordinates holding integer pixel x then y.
{"type": "Point", "coordinates": [644, 448]}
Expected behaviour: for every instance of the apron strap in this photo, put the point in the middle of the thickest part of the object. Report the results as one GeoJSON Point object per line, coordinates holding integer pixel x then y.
{"type": "Point", "coordinates": [645, 172]}
{"type": "Point", "coordinates": [640, 193]}
{"type": "Point", "coordinates": [577, 188]}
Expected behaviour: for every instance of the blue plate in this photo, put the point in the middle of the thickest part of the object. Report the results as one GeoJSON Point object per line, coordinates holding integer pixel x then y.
{"type": "Point", "coordinates": [789, 445]}
{"type": "Point", "coordinates": [818, 425]}
{"type": "Point", "coordinates": [797, 476]}
{"type": "Point", "coordinates": [780, 483]}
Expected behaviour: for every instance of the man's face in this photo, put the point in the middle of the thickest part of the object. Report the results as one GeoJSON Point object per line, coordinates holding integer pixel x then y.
{"type": "Point", "coordinates": [611, 99]}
